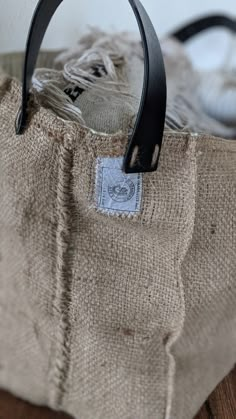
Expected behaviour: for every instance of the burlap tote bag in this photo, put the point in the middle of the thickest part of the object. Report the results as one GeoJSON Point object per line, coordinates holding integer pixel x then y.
{"type": "Point", "coordinates": [117, 254]}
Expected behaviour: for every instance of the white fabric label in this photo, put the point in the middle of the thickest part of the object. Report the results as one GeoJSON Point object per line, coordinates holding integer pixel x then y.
{"type": "Point", "coordinates": [117, 192]}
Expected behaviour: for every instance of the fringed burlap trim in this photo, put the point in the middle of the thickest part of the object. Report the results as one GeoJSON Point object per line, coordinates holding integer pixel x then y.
{"type": "Point", "coordinates": [61, 304]}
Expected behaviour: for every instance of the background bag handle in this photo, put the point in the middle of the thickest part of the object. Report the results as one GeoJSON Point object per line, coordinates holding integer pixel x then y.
{"type": "Point", "coordinates": [144, 146]}
{"type": "Point", "coordinates": [206, 22]}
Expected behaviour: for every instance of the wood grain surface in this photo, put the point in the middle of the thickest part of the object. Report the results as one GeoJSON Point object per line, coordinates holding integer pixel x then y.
{"type": "Point", "coordinates": [221, 405]}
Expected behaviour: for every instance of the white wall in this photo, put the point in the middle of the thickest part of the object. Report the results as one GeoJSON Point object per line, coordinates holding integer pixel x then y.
{"type": "Point", "coordinates": [73, 15]}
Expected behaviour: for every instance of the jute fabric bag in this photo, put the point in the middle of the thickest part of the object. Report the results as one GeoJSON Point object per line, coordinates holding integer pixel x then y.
{"type": "Point", "coordinates": [117, 291]}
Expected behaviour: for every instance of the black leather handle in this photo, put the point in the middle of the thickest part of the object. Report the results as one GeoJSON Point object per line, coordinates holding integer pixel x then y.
{"type": "Point", "coordinates": [145, 144]}
{"type": "Point", "coordinates": [195, 27]}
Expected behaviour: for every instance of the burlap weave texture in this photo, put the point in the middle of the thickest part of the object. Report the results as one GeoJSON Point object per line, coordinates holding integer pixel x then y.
{"type": "Point", "coordinates": [114, 317]}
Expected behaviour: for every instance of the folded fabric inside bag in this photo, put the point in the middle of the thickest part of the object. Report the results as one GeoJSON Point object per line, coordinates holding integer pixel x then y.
{"type": "Point", "coordinates": [104, 73]}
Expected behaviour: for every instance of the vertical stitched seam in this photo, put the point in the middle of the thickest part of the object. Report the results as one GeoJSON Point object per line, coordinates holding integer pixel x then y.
{"type": "Point", "coordinates": [62, 298]}
{"type": "Point", "coordinates": [176, 335]}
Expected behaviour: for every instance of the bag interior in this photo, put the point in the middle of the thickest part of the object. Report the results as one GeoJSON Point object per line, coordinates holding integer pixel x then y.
{"type": "Point", "coordinates": [99, 82]}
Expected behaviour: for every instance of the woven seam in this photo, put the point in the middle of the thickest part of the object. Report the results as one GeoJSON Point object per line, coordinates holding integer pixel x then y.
{"type": "Point", "coordinates": [61, 303]}
{"type": "Point", "coordinates": [183, 250]}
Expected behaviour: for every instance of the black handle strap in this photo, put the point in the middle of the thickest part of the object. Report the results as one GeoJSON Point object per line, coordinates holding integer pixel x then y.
{"type": "Point", "coordinates": [145, 144]}
{"type": "Point", "coordinates": [197, 26]}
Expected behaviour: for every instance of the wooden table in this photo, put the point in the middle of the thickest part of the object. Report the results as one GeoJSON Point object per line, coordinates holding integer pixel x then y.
{"type": "Point", "coordinates": [221, 405]}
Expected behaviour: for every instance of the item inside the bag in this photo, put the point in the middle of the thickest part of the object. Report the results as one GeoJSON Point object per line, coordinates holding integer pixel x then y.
{"type": "Point", "coordinates": [99, 84]}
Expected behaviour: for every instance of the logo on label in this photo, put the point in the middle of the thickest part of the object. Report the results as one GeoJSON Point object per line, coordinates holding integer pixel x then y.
{"type": "Point", "coordinates": [116, 192]}
{"type": "Point", "coordinates": [122, 191]}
